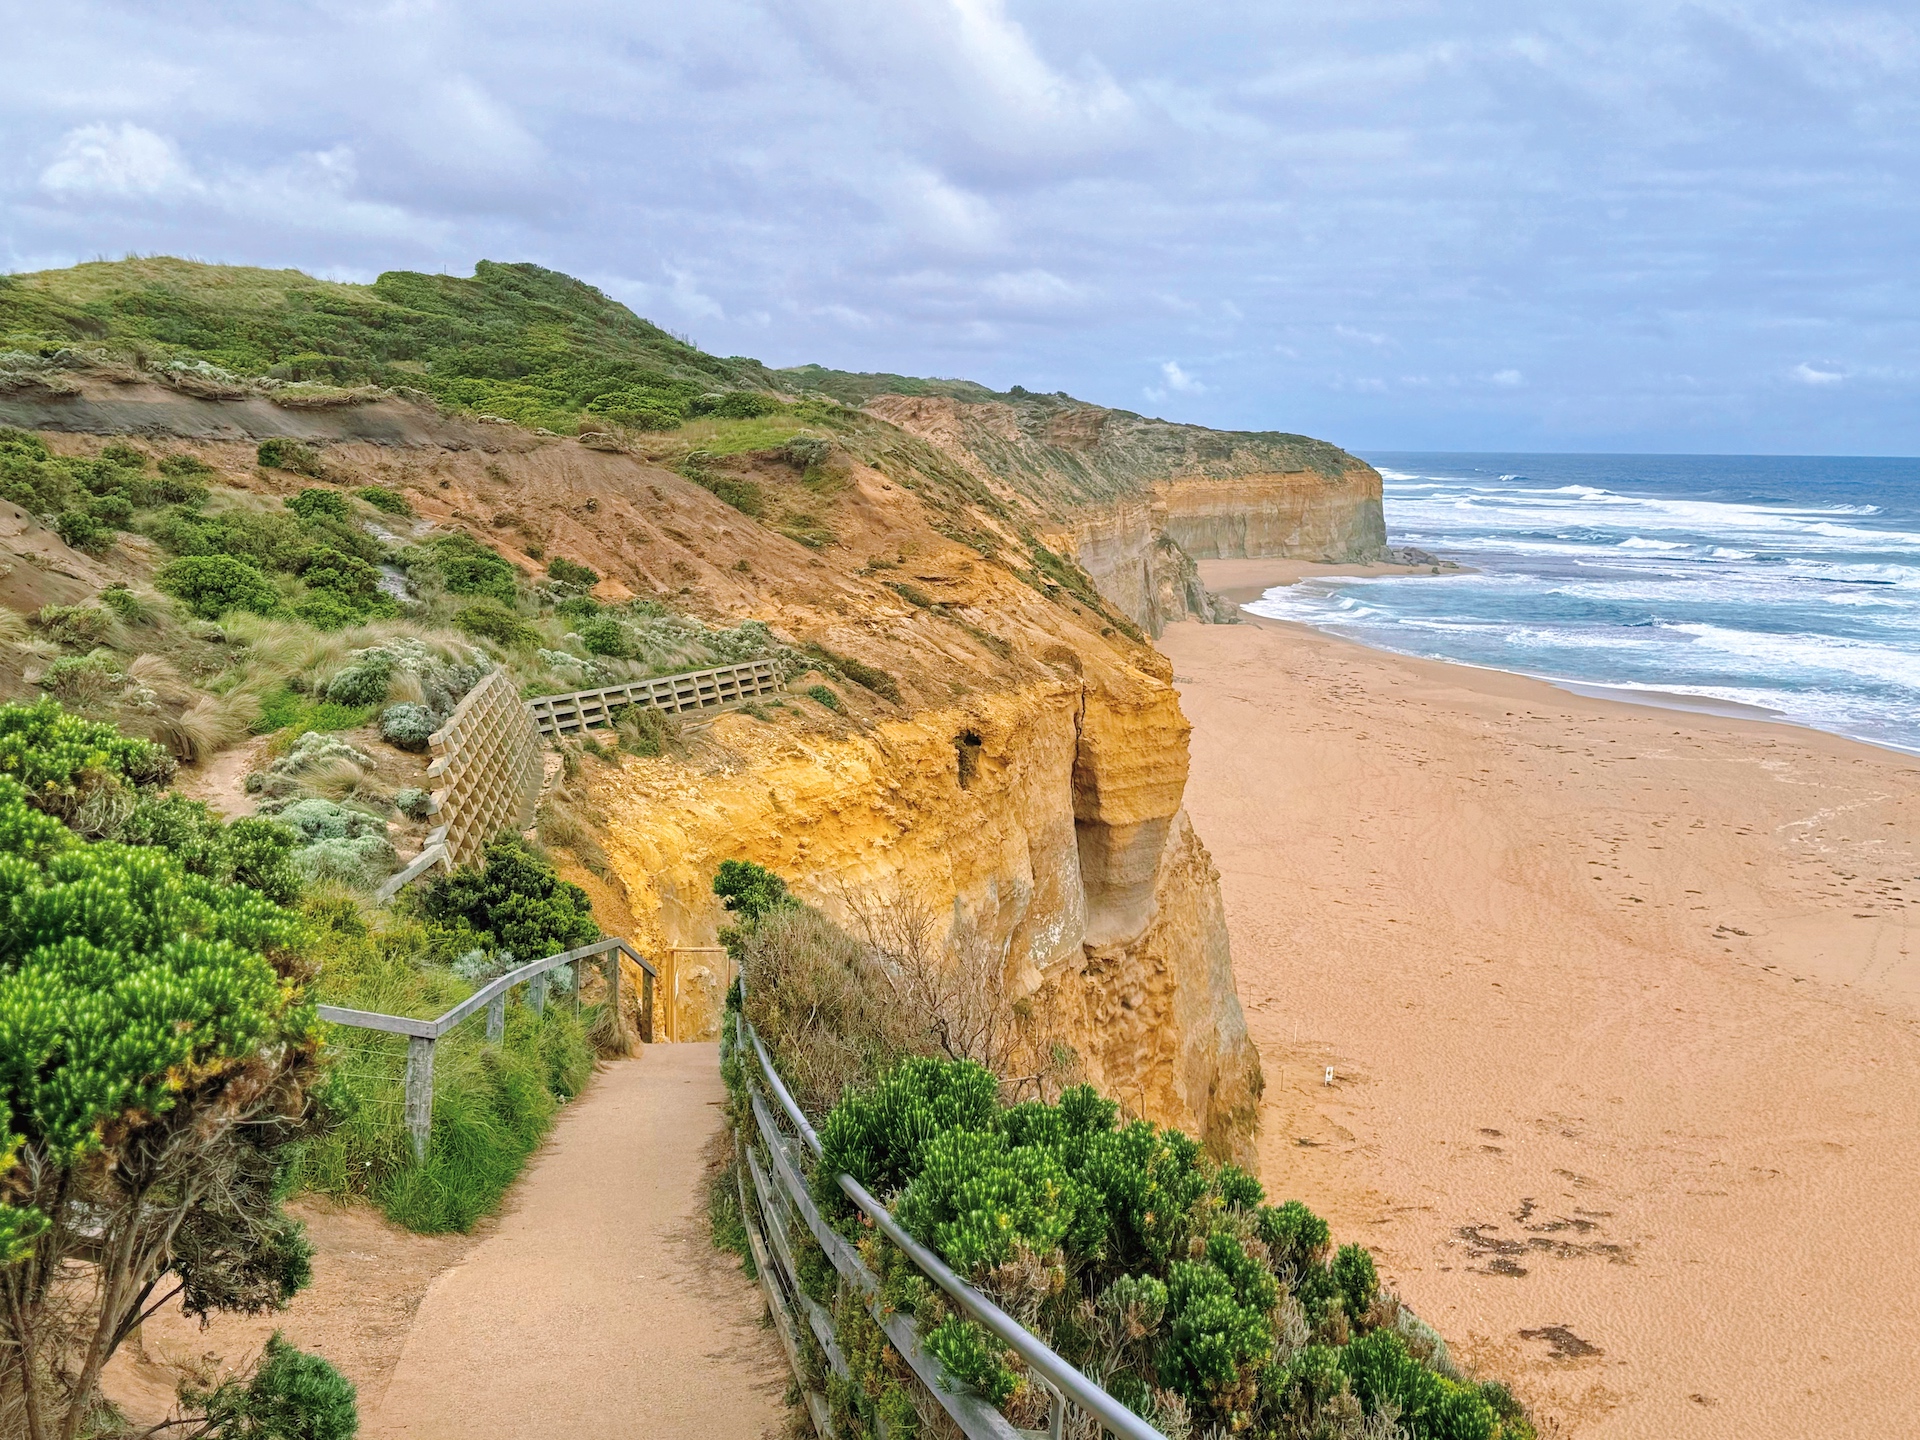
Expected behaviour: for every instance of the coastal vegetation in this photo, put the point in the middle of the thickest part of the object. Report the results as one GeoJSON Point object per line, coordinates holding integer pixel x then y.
{"type": "Point", "coordinates": [1167, 1277]}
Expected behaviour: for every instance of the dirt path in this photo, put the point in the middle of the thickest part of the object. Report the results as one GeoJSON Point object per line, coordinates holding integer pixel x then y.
{"type": "Point", "coordinates": [597, 1305]}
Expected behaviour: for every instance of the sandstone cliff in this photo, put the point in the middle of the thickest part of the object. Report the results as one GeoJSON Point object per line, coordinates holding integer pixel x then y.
{"type": "Point", "coordinates": [1020, 758]}
{"type": "Point", "coordinates": [1138, 501]}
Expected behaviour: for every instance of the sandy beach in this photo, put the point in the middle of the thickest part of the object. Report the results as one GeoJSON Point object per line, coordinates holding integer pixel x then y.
{"type": "Point", "coordinates": [1623, 1010]}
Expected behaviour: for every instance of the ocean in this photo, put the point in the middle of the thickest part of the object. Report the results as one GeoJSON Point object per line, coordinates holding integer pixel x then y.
{"type": "Point", "coordinates": [1787, 584]}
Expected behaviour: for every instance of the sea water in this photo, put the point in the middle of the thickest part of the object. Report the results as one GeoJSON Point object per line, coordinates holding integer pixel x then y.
{"type": "Point", "coordinates": [1783, 583]}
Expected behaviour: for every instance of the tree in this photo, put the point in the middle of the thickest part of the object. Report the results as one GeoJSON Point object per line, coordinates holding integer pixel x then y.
{"type": "Point", "coordinates": [155, 1054]}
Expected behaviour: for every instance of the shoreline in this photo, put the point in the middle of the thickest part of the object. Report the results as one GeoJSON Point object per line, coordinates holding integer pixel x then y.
{"type": "Point", "coordinates": [1238, 586]}
{"type": "Point", "coordinates": [1624, 1015]}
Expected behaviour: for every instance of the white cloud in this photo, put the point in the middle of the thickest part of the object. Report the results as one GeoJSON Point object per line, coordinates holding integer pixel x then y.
{"type": "Point", "coordinates": [1507, 378]}
{"type": "Point", "coordinates": [1811, 375]}
{"type": "Point", "coordinates": [118, 161]}
{"type": "Point", "coordinates": [1180, 380]}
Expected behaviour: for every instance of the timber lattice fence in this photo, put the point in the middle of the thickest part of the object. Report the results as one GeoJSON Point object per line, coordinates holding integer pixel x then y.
{"type": "Point", "coordinates": [775, 1203]}
{"type": "Point", "coordinates": [423, 1035]}
{"type": "Point", "coordinates": [581, 710]}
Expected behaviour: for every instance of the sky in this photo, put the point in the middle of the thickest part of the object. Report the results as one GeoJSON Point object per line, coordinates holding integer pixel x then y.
{"type": "Point", "coordinates": [1611, 225]}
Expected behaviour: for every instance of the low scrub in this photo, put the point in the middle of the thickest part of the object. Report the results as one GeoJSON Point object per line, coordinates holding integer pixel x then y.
{"type": "Point", "coordinates": [1162, 1274]}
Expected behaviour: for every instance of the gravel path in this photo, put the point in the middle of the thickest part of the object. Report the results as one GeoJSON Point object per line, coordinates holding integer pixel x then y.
{"type": "Point", "coordinates": [597, 1305]}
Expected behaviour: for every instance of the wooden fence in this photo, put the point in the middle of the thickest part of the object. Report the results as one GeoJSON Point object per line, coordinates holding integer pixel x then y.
{"type": "Point", "coordinates": [676, 694]}
{"type": "Point", "coordinates": [423, 1034]}
{"type": "Point", "coordinates": [489, 754]}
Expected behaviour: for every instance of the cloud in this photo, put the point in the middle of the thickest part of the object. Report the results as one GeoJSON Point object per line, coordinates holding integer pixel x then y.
{"type": "Point", "coordinates": [1584, 202]}
{"type": "Point", "coordinates": [1176, 382]}
{"type": "Point", "coordinates": [118, 162]}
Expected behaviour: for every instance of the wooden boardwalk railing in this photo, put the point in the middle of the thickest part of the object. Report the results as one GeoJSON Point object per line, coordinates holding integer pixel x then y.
{"type": "Point", "coordinates": [778, 1203]}
{"type": "Point", "coordinates": [423, 1034]}
{"type": "Point", "coordinates": [696, 690]}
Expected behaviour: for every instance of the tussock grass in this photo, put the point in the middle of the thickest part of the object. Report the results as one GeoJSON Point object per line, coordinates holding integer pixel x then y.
{"type": "Point", "coordinates": [492, 1103]}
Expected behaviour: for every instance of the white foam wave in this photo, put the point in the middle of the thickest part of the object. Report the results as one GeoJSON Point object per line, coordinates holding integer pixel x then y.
{"type": "Point", "coordinates": [1793, 656]}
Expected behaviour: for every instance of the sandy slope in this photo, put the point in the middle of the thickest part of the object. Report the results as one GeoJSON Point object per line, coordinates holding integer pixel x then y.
{"type": "Point", "coordinates": [1624, 1013]}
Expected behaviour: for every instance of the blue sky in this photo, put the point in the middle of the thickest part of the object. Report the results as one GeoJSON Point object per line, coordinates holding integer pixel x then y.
{"type": "Point", "coordinates": [1610, 226]}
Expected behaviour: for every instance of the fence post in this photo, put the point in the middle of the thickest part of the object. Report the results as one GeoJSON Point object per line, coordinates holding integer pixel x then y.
{"type": "Point", "coordinates": [538, 987]}
{"type": "Point", "coordinates": [419, 1092]}
{"type": "Point", "coordinates": [497, 1016]}
{"type": "Point", "coordinates": [646, 1005]}
{"type": "Point", "coordinates": [613, 988]}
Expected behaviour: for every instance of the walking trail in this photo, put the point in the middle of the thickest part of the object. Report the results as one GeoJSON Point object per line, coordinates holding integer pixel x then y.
{"type": "Point", "coordinates": [597, 1304]}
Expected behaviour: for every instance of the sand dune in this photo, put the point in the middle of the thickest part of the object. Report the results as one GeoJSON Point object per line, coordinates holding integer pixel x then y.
{"type": "Point", "coordinates": [1623, 1007]}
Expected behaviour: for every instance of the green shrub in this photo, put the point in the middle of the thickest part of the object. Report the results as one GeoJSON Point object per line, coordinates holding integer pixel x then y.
{"type": "Point", "coordinates": [571, 572]}
{"type": "Point", "coordinates": [641, 407]}
{"type": "Point", "coordinates": [364, 682]}
{"type": "Point", "coordinates": [81, 626]}
{"type": "Point", "coordinates": [467, 567]}
{"type": "Point", "coordinates": [252, 851]}
{"type": "Point", "coordinates": [84, 531]}
{"type": "Point", "coordinates": [154, 1027]}
{"type": "Point", "coordinates": [604, 635]}
{"type": "Point", "coordinates": [1355, 1279]}
{"type": "Point", "coordinates": [112, 511]}
{"type": "Point", "coordinates": [972, 1355]}
{"type": "Point", "coordinates": [381, 498]}
{"type": "Point", "coordinates": [514, 901]}
{"type": "Point", "coordinates": [750, 891]}
{"type": "Point", "coordinates": [60, 760]}
{"type": "Point", "coordinates": [745, 405]}
{"type": "Point", "coordinates": [283, 709]}
{"type": "Point", "coordinates": [412, 802]}
{"type": "Point", "coordinates": [1218, 1335]}
{"type": "Point", "coordinates": [822, 695]}
{"type": "Point", "coordinates": [316, 504]}
{"type": "Point", "coordinates": [181, 466]}
{"type": "Point", "coordinates": [1294, 1234]}
{"type": "Point", "coordinates": [879, 1135]}
{"type": "Point", "coordinates": [490, 620]}
{"type": "Point", "coordinates": [746, 496]}
{"type": "Point", "coordinates": [290, 1396]}
{"type": "Point", "coordinates": [870, 677]}
{"type": "Point", "coordinates": [1432, 1407]}
{"type": "Point", "coordinates": [280, 453]}
{"type": "Point", "coordinates": [976, 1197]}
{"type": "Point", "coordinates": [211, 585]}
{"type": "Point", "coordinates": [408, 726]}
{"type": "Point", "coordinates": [123, 603]}
{"type": "Point", "coordinates": [30, 476]}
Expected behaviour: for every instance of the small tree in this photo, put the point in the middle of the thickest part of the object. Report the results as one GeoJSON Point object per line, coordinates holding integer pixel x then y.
{"type": "Point", "coordinates": [155, 1053]}
{"type": "Point", "coordinates": [211, 585]}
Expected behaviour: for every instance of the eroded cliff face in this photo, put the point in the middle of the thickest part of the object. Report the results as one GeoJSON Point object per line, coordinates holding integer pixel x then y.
{"type": "Point", "coordinates": [1138, 501]}
{"type": "Point", "coordinates": [1023, 770]}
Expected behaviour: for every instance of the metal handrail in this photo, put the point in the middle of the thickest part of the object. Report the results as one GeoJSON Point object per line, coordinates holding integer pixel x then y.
{"type": "Point", "coordinates": [1036, 1353]}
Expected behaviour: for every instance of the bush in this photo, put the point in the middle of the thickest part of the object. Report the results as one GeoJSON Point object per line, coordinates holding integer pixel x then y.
{"type": "Point", "coordinates": [1431, 1406]}
{"type": "Point", "coordinates": [155, 1029]}
{"type": "Point", "coordinates": [290, 1396]}
{"type": "Point", "coordinates": [412, 802]}
{"type": "Point", "coordinates": [81, 626]}
{"type": "Point", "coordinates": [280, 453]}
{"type": "Point", "coordinates": [211, 585]}
{"type": "Point", "coordinates": [571, 572]}
{"type": "Point", "coordinates": [976, 1197]}
{"type": "Point", "coordinates": [751, 891]}
{"type": "Point", "coordinates": [364, 682]}
{"type": "Point", "coordinates": [408, 726]}
{"type": "Point", "coordinates": [1355, 1279]}
{"type": "Point", "coordinates": [514, 902]}
{"type": "Point", "coordinates": [492, 621]}
{"type": "Point", "coordinates": [604, 635]}
{"type": "Point", "coordinates": [62, 761]}
{"type": "Point", "coordinates": [381, 498]}
{"type": "Point", "coordinates": [822, 695]}
{"type": "Point", "coordinates": [468, 568]}
{"type": "Point", "coordinates": [316, 504]}
{"type": "Point", "coordinates": [972, 1355]}
{"type": "Point", "coordinates": [254, 852]}
{"type": "Point", "coordinates": [84, 531]}
{"type": "Point", "coordinates": [746, 405]}
{"type": "Point", "coordinates": [182, 466]}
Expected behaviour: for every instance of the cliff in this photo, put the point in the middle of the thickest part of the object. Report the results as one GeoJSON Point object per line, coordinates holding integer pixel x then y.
{"type": "Point", "coordinates": [1138, 501]}
{"type": "Point", "coordinates": [969, 568]}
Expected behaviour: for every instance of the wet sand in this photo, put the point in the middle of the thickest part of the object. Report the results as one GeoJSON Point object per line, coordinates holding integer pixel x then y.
{"type": "Point", "coordinates": [1623, 1006]}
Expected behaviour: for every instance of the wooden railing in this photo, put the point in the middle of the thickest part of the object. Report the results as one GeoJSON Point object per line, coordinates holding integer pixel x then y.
{"type": "Point", "coordinates": [422, 1035]}
{"type": "Point", "coordinates": [777, 1202]}
{"type": "Point", "coordinates": [581, 710]}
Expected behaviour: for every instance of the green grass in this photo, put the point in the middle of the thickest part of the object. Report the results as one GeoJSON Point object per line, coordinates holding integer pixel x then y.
{"type": "Point", "coordinates": [533, 345]}
{"type": "Point", "coordinates": [294, 715]}
{"type": "Point", "coordinates": [492, 1103]}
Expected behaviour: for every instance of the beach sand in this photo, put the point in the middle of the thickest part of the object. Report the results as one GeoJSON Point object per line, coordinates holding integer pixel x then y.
{"type": "Point", "coordinates": [1623, 1008]}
